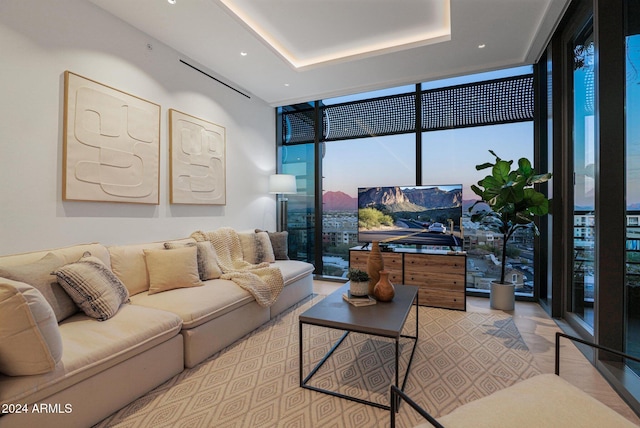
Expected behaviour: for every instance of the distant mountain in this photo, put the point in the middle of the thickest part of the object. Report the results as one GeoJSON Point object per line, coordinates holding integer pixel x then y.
{"type": "Point", "coordinates": [395, 199]}
{"type": "Point", "coordinates": [339, 201]}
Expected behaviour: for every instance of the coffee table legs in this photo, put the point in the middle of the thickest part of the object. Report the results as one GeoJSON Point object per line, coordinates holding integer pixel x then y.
{"type": "Point", "coordinates": [325, 358]}
{"type": "Point", "coordinates": [304, 380]}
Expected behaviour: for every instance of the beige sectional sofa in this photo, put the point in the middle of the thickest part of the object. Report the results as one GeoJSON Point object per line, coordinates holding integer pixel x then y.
{"type": "Point", "coordinates": [107, 364]}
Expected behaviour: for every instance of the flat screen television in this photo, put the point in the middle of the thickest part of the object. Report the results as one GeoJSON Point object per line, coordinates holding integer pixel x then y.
{"type": "Point", "coordinates": [411, 215]}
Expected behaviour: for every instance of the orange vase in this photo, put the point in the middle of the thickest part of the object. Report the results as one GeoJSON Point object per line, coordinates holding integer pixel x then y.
{"type": "Point", "coordinates": [374, 265]}
{"type": "Point", "coordinates": [384, 290]}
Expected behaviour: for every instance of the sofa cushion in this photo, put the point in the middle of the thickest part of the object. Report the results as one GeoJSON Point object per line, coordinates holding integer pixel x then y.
{"type": "Point", "coordinates": [171, 269]}
{"type": "Point", "coordinates": [128, 263]}
{"type": "Point", "coordinates": [39, 275]}
{"type": "Point", "coordinates": [30, 341]}
{"type": "Point", "coordinates": [91, 347]}
{"type": "Point", "coordinates": [197, 305]}
{"type": "Point", "coordinates": [293, 270]}
{"type": "Point", "coordinates": [93, 287]}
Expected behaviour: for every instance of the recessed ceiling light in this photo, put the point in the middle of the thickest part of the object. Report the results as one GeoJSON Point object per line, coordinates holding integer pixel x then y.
{"type": "Point", "coordinates": [481, 46]}
{"type": "Point", "coordinates": [286, 84]}
{"type": "Point", "coordinates": [172, 1]}
{"type": "Point", "coordinates": [243, 53]}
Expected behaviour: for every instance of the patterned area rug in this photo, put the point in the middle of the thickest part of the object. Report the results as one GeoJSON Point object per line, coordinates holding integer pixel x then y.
{"type": "Point", "coordinates": [460, 357]}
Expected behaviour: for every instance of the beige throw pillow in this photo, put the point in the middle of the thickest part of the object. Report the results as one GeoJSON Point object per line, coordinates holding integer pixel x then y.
{"type": "Point", "coordinates": [256, 247]}
{"type": "Point", "coordinates": [30, 341]}
{"type": "Point", "coordinates": [39, 275]}
{"type": "Point", "coordinates": [93, 287]}
{"type": "Point", "coordinates": [170, 269]}
{"type": "Point", "coordinates": [207, 258]}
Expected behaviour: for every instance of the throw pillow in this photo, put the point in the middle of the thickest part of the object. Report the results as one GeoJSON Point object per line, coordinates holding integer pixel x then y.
{"type": "Point", "coordinates": [248, 244]}
{"type": "Point", "coordinates": [279, 244]}
{"type": "Point", "coordinates": [94, 288]}
{"type": "Point", "coordinates": [30, 341]}
{"type": "Point", "coordinates": [207, 258]}
{"type": "Point", "coordinates": [170, 269]}
{"type": "Point", "coordinates": [38, 274]}
{"type": "Point", "coordinates": [256, 247]}
{"type": "Point", "coordinates": [264, 243]}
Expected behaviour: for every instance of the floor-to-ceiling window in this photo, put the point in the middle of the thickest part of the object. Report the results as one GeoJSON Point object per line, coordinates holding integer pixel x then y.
{"type": "Point", "coordinates": [429, 134]}
{"type": "Point", "coordinates": [461, 124]}
{"type": "Point", "coordinates": [443, 162]}
{"type": "Point", "coordinates": [297, 156]}
{"type": "Point", "coordinates": [583, 290]}
{"type": "Point", "coordinates": [367, 141]}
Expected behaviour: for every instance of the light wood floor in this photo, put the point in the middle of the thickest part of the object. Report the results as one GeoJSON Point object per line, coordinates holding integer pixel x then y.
{"type": "Point", "coordinates": [538, 331]}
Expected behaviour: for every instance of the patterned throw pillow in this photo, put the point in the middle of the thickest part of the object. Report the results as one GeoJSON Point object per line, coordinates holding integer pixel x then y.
{"type": "Point", "coordinates": [279, 244]}
{"type": "Point", "coordinates": [207, 258]}
{"type": "Point", "coordinates": [256, 247]}
{"type": "Point", "coordinates": [92, 285]}
{"type": "Point", "coordinates": [265, 244]}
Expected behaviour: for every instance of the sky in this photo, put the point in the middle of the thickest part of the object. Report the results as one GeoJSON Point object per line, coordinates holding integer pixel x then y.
{"type": "Point", "coordinates": [449, 157]}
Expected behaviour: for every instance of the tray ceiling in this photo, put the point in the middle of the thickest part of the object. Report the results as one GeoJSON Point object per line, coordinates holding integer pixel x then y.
{"type": "Point", "coordinates": [286, 51]}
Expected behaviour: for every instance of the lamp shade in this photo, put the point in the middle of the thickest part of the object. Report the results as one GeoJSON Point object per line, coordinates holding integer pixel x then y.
{"type": "Point", "coordinates": [282, 184]}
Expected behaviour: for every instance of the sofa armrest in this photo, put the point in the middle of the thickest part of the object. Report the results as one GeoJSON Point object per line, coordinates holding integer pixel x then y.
{"type": "Point", "coordinates": [590, 344]}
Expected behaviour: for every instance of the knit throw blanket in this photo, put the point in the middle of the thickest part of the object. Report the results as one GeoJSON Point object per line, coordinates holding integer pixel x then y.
{"type": "Point", "coordinates": [264, 282]}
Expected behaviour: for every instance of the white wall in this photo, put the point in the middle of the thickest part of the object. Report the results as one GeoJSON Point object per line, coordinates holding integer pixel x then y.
{"type": "Point", "coordinates": [39, 40]}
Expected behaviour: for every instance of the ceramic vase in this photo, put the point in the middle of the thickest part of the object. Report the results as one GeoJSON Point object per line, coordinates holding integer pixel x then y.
{"type": "Point", "coordinates": [374, 265]}
{"type": "Point", "coordinates": [384, 290]}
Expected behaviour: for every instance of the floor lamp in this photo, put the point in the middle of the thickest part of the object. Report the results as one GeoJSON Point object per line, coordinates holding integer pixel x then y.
{"type": "Point", "coordinates": [282, 184]}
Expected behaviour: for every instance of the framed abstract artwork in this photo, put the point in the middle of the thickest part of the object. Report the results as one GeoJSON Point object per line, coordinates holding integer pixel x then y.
{"type": "Point", "coordinates": [111, 144]}
{"type": "Point", "coordinates": [197, 160]}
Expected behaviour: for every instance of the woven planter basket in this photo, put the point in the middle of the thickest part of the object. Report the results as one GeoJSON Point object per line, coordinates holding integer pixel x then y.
{"type": "Point", "coordinates": [359, 288]}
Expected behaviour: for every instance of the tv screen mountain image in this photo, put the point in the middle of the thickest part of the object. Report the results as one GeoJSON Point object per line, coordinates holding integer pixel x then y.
{"type": "Point", "coordinates": [417, 215]}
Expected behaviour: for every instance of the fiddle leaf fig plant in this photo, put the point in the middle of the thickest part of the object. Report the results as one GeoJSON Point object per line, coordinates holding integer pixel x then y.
{"type": "Point", "coordinates": [513, 201]}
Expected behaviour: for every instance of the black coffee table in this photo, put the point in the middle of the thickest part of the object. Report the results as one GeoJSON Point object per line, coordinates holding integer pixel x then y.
{"type": "Point", "coordinates": [384, 319]}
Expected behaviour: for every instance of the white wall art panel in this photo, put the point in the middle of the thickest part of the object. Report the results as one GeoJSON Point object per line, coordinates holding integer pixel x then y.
{"type": "Point", "coordinates": [111, 144]}
{"type": "Point", "coordinates": [197, 160]}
